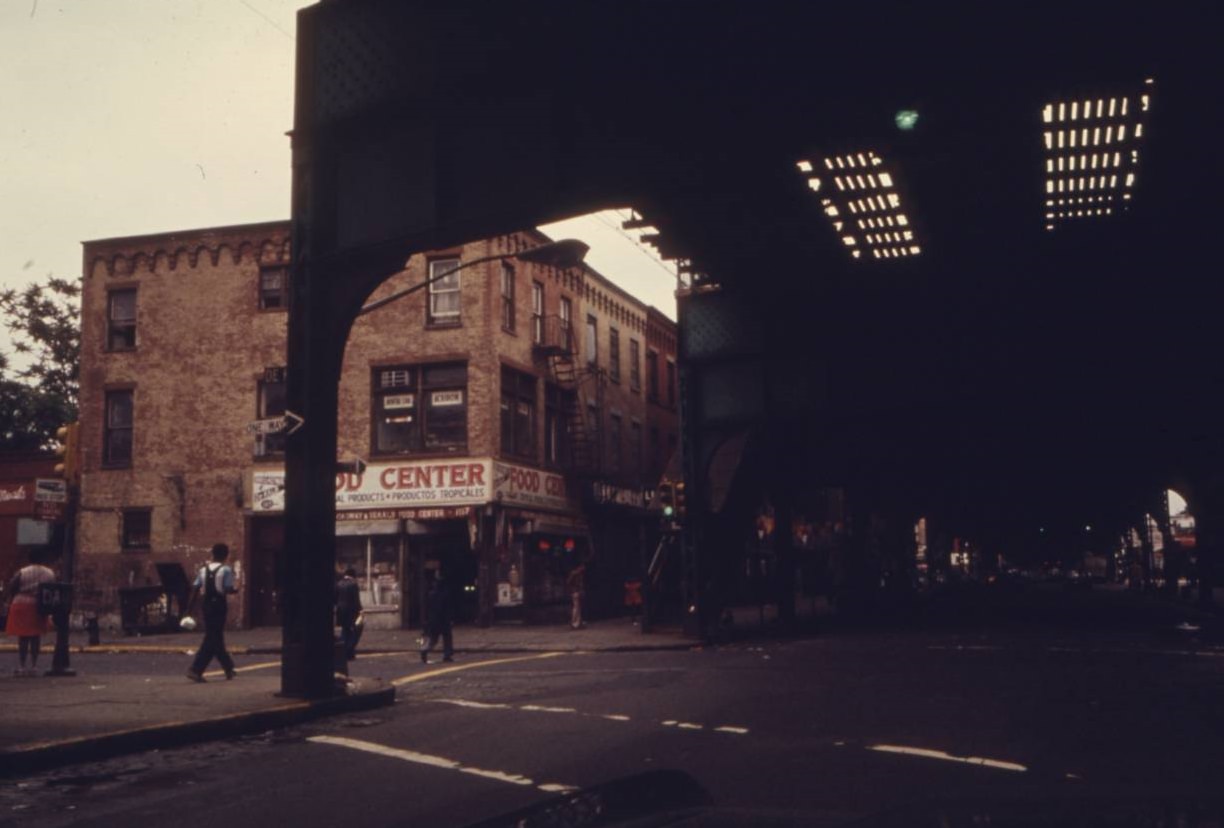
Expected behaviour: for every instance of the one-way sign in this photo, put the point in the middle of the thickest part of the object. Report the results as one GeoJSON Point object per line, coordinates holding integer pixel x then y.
{"type": "Point", "coordinates": [287, 423]}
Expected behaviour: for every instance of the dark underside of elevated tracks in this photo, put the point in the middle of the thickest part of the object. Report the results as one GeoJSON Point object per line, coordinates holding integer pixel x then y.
{"type": "Point", "coordinates": [1003, 372]}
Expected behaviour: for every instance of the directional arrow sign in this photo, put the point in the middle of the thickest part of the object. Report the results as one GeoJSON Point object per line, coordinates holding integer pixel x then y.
{"type": "Point", "coordinates": [272, 425]}
{"type": "Point", "coordinates": [293, 421]}
{"type": "Point", "coordinates": [287, 423]}
{"type": "Point", "coordinates": [356, 467]}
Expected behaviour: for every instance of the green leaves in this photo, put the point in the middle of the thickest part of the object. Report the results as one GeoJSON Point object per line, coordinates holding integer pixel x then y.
{"type": "Point", "coordinates": [39, 375]}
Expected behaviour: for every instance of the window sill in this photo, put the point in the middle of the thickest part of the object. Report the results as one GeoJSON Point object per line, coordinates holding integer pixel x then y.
{"type": "Point", "coordinates": [436, 325]}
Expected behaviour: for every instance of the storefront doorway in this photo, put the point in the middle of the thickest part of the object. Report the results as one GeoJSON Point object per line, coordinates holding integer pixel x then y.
{"type": "Point", "coordinates": [267, 539]}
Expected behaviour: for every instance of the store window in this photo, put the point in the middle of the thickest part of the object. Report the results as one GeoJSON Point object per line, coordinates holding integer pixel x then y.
{"type": "Point", "coordinates": [420, 408]}
{"type": "Point", "coordinates": [518, 413]}
{"type": "Point", "coordinates": [507, 296]}
{"type": "Point", "coordinates": [137, 528]}
{"type": "Point", "coordinates": [444, 305]}
{"type": "Point", "coordinates": [376, 560]}
{"type": "Point", "coordinates": [121, 320]}
{"type": "Point", "coordinates": [274, 288]}
{"type": "Point", "coordinates": [271, 403]}
{"type": "Point", "coordinates": [117, 437]}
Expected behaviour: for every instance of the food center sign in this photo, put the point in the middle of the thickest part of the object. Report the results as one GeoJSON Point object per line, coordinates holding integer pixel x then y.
{"type": "Point", "coordinates": [458, 482]}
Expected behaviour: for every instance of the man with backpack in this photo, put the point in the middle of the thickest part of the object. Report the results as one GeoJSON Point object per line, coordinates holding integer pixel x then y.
{"type": "Point", "coordinates": [215, 580]}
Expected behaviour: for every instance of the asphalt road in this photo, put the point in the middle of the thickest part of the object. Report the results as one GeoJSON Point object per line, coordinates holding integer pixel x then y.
{"type": "Point", "coordinates": [822, 730]}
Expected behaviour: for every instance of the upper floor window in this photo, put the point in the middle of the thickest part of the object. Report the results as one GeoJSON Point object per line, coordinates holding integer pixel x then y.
{"type": "Point", "coordinates": [121, 320]}
{"type": "Point", "coordinates": [137, 528]}
{"type": "Point", "coordinates": [444, 292]}
{"type": "Point", "coordinates": [635, 365]}
{"type": "Point", "coordinates": [614, 443]}
{"type": "Point", "coordinates": [420, 408]}
{"type": "Point", "coordinates": [558, 403]}
{"type": "Point", "coordinates": [270, 403]}
{"type": "Point", "coordinates": [537, 313]}
{"type": "Point", "coordinates": [591, 346]}
{"type": "Point", "coordinates": [518, 413]}
{"type": "Point", "coordinates": [273, 288]}
{"type": "Point", "coordinates": [566, 315]}
{"type": "Point", "coordinates": [652, 376]}
{"type": "Point", "coordinates": [117, 437]}
{"type": "Point", "coordinates": [671, 383]}
{"type": "Point", "coordinates": [635, 445]}
{"type": "Point", "coordinates": [507, 296]}
{"type": "Point", "coordinates": [614, 354]}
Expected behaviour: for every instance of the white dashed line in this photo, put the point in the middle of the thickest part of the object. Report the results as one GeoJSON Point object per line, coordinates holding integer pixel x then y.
{"type": "Point", "coordinates": [927, 753]}
{"type": "Point", "coordinates": [477, 705]}
{"type": "Point", "coordinates": [436, 762]}
{"type": "Point", "coordinates": [739, 731]}
{"type": "Point", "coordinates": [536, 708]}
{"type": "Point", "coordinates": [615, 717]}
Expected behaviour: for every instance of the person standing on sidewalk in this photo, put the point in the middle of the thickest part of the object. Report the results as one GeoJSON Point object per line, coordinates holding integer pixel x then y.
{"type": "Point", "coordinates": [437, 621]}
{"type": "Point", "coordinates": [575, 582]}
{"type": "Point", "coordinates": [25, 623]}
{"type": "Point", "coordinates": [215, 580]}
{"type": "Point", "coordinates": [348, 609]}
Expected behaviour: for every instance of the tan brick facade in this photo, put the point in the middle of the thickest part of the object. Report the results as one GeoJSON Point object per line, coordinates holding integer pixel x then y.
{"type": "Point", "coordinates": [203, 344]}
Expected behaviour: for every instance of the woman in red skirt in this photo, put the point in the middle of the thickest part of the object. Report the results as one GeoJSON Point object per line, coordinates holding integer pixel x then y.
{"type": "Point", "coordinates": [24, 621]}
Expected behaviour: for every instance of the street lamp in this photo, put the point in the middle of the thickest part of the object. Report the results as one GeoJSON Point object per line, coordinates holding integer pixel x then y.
{"type": "Point", "coordinates": [562, 254]}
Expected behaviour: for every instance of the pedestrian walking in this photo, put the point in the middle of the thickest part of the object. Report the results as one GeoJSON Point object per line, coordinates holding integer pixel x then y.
{"type": "Point", "coordinates": [215, 581]}
{"type": "Point", "coordinates": [438, 621]}
{"type": "Point", "coordinates": [575, 582]}
{"type": "Point", "coordinates": [348, 611]}
{"type": "Point", "coordinates": [25, 622]}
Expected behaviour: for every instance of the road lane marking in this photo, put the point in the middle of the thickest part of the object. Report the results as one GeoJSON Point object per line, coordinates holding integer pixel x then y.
{"type": "Point", "coordinates": [477, 705]}
{"type": "Point", "coordinates": [734, 730]}
{"type": "Point", "coordinates": [927, 753]}
{"type": "Point", "coordinates": [471, 666]}
{"type": "Point", "coordinates": [436, 762]}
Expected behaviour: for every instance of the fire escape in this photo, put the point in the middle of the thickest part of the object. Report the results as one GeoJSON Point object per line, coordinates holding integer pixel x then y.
{"type": "Point", "coordinates": [581, 390]}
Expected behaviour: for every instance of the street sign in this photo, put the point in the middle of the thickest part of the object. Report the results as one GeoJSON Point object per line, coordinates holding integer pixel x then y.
{"type": "Point", "coordinates": [287, 423]}
{"type": "Point", "coordinates": [49, 490]}
{"type": "Point", "coordinates": [355, 467]}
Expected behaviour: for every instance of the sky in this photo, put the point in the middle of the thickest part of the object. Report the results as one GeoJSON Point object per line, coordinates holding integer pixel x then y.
{"type": "Point", "coordinates": [128, 117]}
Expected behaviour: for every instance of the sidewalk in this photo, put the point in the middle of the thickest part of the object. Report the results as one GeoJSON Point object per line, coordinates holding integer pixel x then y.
{"type": "Point", "coordinates": [50, 722]}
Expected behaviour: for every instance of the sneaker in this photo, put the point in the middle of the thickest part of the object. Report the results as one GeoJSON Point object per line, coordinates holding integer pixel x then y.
{"type": "Point", "coordinates": [196, 677]}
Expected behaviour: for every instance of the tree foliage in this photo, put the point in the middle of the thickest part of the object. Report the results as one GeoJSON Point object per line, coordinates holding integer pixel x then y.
{"type": "Point", "coordinates": [39, 377]}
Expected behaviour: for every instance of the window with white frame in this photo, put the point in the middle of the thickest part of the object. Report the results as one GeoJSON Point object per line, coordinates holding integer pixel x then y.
{"type": "Point", "coordinates": [444, 304]}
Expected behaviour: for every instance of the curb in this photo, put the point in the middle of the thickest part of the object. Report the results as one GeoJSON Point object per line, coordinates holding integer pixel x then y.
{"type": "Point", "coordinates": [30, 758]}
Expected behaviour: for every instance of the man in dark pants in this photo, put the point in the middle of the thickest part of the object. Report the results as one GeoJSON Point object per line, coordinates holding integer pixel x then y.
{"type": "Point", "coordinates": [437, 621]}
{"type": "Point", "coordinates": [216, 581]}
{"type": "Point", "coordinates": [348, 609]}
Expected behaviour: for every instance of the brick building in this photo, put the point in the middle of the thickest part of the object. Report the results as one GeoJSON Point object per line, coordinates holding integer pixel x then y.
{"type": "Point", "coordinates": [512, 414]}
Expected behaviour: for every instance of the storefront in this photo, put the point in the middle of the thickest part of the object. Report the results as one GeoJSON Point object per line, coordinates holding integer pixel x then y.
{"type": "Point", "coordinates": [503, 535]}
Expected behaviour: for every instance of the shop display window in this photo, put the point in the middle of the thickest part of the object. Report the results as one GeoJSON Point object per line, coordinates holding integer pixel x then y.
{"type": "Point", "coordinates": [377, 562]}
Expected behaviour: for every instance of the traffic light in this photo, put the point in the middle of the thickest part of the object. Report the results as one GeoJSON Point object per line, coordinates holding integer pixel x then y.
{"type": "Point", "coordinates": [68, 451]}
{"type": "Point", "coordinates": [681, 505]}
{"type": "Point", "coordinates": [667, 499]}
